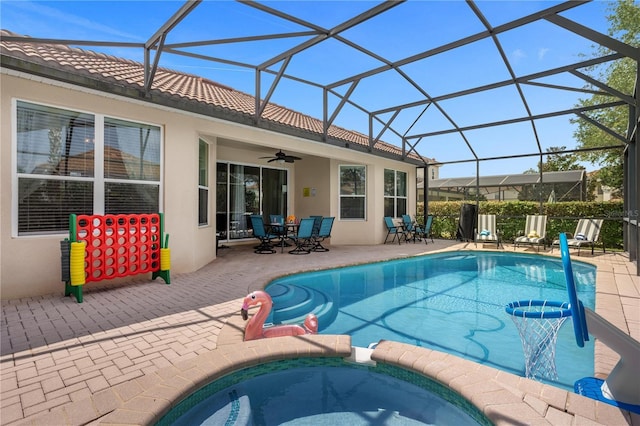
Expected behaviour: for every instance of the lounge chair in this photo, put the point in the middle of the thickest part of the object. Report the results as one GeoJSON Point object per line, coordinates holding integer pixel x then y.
{"type": "Point", "coordinates": [396, 231]}
{"type": "Point", "coordinates": [535, 230]}
{"type": "Point", "coordinates": [303, 238]}
{"type": "Point", "coordinates": [262, 235]}
{"type": "Point", "coordinates": [487, 231]}
{"type": "Point", "coordinates": [587, 234]}
{"type": "Point", "coordinates": [323, 234]}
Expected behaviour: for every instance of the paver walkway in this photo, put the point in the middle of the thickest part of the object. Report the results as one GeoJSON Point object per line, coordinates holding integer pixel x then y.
{"type": "Point", "coordinates": [55, 351]}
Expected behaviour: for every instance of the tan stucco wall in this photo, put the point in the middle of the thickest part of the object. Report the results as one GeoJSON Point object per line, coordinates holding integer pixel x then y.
{"type": "Point", "coordinates": [313, 175]}
{"type": "Point", "coordinates": [30, 266]}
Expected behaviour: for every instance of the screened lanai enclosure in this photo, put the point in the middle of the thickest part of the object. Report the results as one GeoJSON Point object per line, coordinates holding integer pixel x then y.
{"type": "Point", "coordinates": [463, 87]}
{"type": "Point", "coordinates": [570, 185]}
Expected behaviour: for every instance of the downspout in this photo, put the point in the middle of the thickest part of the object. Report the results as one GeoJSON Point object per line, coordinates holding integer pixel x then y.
{"type": "Point", "coordinates": [541, 187]}
{"type": "Point", "coordinates": [425, 192]}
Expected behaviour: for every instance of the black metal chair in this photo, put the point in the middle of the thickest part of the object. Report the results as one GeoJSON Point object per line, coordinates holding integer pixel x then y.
{"type": "Point", "coordinates": [304, 237]}
{"type": "Point", "coordinates": [262, 235]}
{"type": "Point", "coordinates": [323, 234]}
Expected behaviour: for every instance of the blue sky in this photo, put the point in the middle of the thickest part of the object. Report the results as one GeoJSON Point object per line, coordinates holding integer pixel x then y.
{"type": "Point", "coordinates": [410, 28]}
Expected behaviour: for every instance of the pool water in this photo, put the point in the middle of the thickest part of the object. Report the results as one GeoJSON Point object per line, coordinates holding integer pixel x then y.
{"type": "Point", "coordinates": [292, 393]}
{"type": "Point", "coordinates": [452, 302]}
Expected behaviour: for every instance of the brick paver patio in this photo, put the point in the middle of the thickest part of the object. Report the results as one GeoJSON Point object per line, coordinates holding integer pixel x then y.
{"type": "Point", "coordinates": [56, 352]}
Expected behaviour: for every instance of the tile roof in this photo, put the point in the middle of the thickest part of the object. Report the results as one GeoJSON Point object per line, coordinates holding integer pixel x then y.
{"type": "Point", "coordinates": [124, 72]}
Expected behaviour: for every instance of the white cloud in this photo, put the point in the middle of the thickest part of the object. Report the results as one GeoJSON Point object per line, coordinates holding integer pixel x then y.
{"type": "Point", "coordinates": [64, 22]}
{"type": "Point", "coordinates": [542, 52]}
{"type": "Point", "coordinates": [518, 54]}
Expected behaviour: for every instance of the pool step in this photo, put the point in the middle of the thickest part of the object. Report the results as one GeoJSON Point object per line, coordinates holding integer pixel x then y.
{"type": "Point", "coordinates": [291, 305]}
{"type": "Point", "coordinates": [231, 409]}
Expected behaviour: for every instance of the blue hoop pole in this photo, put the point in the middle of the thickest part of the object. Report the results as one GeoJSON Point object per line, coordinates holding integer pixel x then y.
{"type": "Point", "coordinates": [577, 309]}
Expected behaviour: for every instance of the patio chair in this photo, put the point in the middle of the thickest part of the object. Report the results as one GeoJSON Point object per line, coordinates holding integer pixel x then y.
{"type": "Point", "coordinates": [487, 231]}
{"type": "Point", "coordinates": [587, 234]}
{"type": "Point", "coordinates": [303, 238]}
{"type": "Point", "coordinates": [317, 221]}
{"type": "Point", "coordinates": [279, 228]}
{"type": "Point", "coordinates": [262, 235]}
{"type": "Point", "coordinates": [277, 219]}
{"type": "Point", "coordinates": [396, 231]}
{"type": "Point", "coordinates": [427, 228]}
{"type": "Point", "coordinates": [412, 229]}
{"type": "Point", "coordinates": [535, 230]}
{"type": "Point", "coordinates": [323, 234]}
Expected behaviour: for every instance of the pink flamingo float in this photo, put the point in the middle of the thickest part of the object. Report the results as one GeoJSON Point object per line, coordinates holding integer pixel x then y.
{"type": "Point", "coordinates": [255, 327]}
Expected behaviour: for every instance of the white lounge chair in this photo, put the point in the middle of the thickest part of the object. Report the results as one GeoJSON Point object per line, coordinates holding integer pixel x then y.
{"type": "Point", "coordinates": [535, 230]}
{"type": "Point", "coordinates": [587, 234]}
{"type": "Point", "coordinates": [486, 232]}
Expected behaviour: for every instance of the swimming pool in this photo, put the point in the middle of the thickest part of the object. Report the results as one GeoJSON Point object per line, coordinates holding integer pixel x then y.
{"type": "Point", "coordinates": [324, 391]}
{"type": "Point", "coordinates": [452, 302]}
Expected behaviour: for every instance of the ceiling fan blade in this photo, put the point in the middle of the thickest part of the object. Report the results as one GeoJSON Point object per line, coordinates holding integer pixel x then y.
{"type": "Point", "coordinates": [281, 156]}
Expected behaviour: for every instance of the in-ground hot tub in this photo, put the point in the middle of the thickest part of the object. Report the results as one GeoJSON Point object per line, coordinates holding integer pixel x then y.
{"type": "Point", "coordinates": [324, 391]}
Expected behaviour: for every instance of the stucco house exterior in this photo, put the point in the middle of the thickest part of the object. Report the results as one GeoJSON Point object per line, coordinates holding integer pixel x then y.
{"type": "Point", "coordinates": [80, 135]}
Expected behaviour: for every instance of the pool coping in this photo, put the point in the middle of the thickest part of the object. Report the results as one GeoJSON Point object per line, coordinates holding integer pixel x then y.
{"type": "Point", "coordinates": [504, 398]}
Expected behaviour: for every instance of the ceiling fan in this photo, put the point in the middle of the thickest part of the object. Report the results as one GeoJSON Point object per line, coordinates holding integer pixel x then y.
{"type": "Point", "coordinates": [281, 157]}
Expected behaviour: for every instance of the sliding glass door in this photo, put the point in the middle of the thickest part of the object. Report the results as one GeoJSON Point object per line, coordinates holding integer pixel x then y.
{"type": "Point", "coordinates": [243, 190]}
{"type": "Point", "coordinates": [274, 192]}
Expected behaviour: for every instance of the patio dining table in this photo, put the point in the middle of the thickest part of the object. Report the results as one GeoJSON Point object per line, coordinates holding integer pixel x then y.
{"type": "Point", "coordinates": [283, 233]}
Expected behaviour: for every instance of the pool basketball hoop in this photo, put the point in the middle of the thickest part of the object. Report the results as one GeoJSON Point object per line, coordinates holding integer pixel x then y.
{"type": "Point", "coordinates": [538, 322]}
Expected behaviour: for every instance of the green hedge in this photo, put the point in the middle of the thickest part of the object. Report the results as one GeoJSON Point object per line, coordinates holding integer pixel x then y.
{"type": "Point", "coordinates": [511, 217]}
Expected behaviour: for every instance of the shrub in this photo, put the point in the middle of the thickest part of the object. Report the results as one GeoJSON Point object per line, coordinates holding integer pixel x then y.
{"type": "Point", "coordinates": [511, 217]}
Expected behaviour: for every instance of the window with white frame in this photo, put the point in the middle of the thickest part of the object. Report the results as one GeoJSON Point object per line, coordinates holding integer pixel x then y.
{"type": "Point", "coordinates": [203, 183]}
{"type": "Point", "coordinates": [76, 162]}
{"type": "Point", "coordinates": [353, 188]}
{"type": "Point", "coordinates": [395, 193]}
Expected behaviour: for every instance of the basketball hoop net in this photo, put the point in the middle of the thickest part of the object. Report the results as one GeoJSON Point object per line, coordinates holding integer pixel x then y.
{"type": "Point", "coordinates": [538, 322]}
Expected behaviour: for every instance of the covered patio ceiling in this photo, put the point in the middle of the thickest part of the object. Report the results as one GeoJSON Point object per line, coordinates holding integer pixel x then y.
{"type": "Point", "coordinates": [324, 60]}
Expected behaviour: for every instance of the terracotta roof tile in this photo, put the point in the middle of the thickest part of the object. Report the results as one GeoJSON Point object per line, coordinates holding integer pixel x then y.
{"type": "Point", "coordinates": [187, 86]}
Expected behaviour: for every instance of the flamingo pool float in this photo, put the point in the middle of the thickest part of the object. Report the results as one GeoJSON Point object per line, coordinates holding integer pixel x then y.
{"type": "Point", "coordinates": [255, 328]}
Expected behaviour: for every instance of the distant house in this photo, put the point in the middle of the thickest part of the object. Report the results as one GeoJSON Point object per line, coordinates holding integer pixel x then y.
{"type": "Point", "coordinates": [80, 135]}
{"type": "Point", "coordinates": [602, 192]}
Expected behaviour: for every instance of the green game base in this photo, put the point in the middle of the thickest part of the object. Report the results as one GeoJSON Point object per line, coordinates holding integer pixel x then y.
{"type": "Point", "coordinates": [76, 290]}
